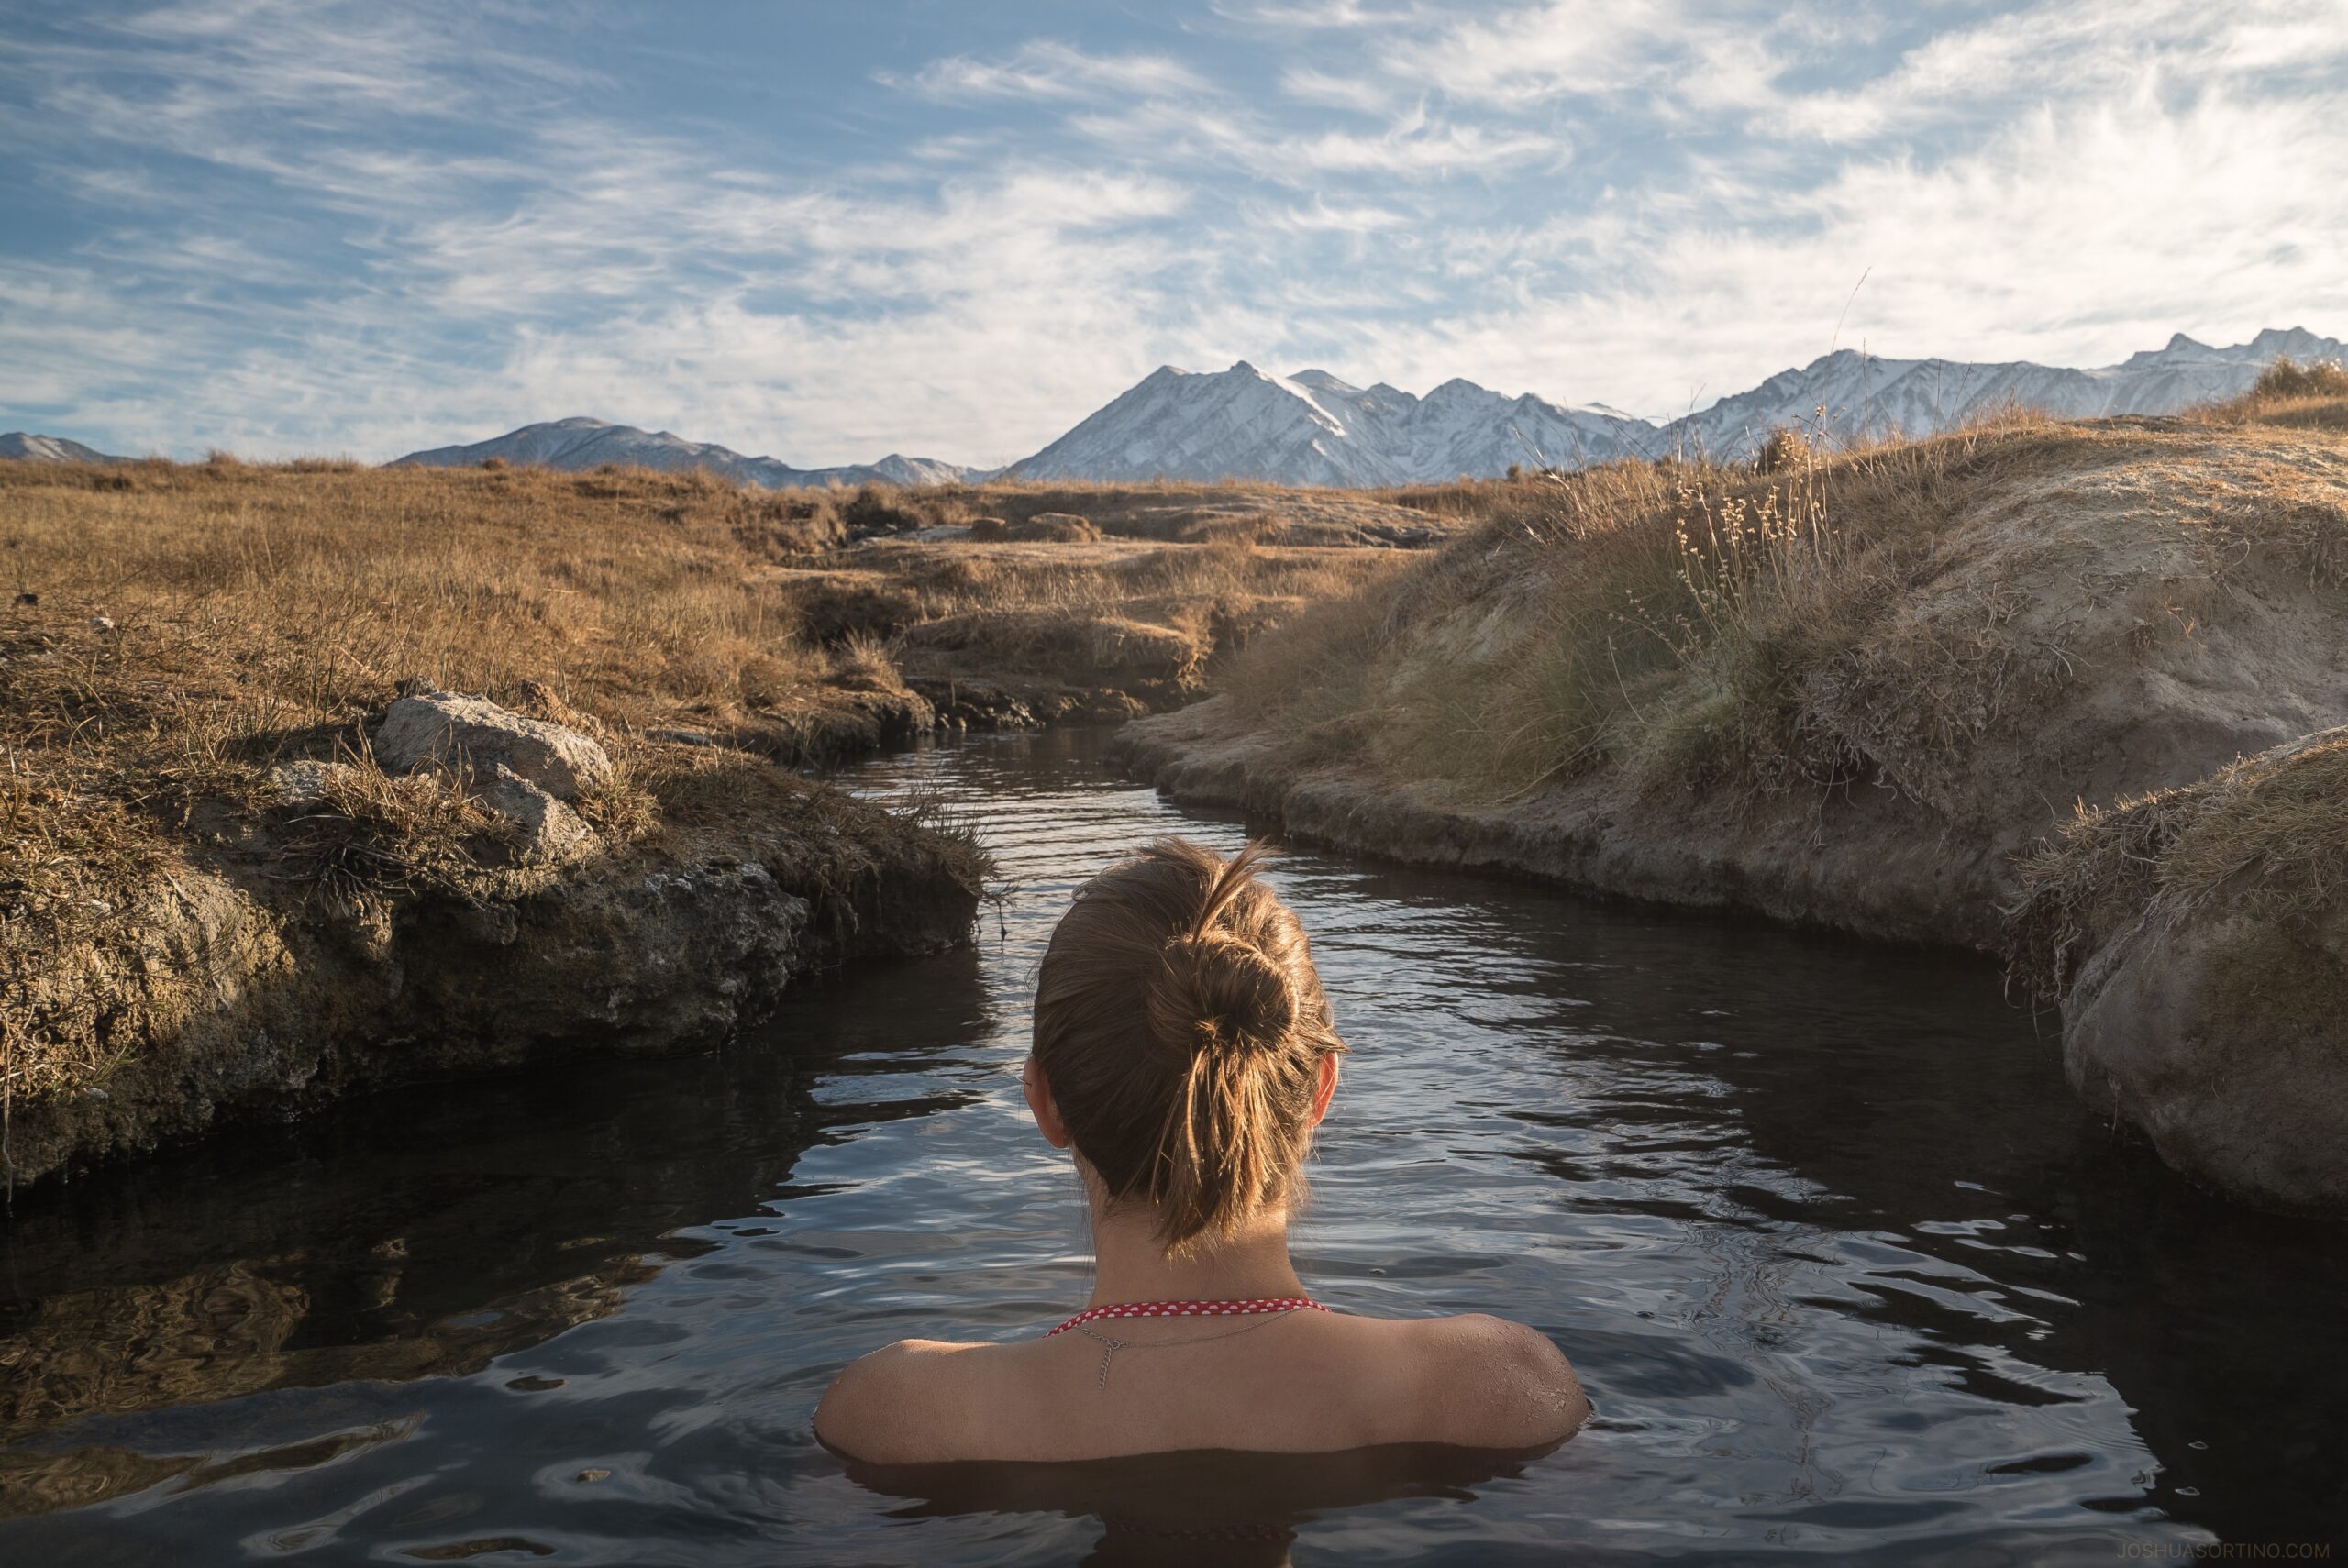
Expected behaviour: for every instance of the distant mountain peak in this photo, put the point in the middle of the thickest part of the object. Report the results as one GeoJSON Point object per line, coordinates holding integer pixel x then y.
{"type": "Point", "coordinates": [581, 442]}
{"type": "Point", "coordinates": [25, 446]}
{"type": "Point", "coordinates": [1313, 427]}
{"type": "Point", "coordinates": [1871, 395]}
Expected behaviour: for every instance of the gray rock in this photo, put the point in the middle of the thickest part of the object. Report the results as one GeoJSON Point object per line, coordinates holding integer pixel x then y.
{"type": "Point", "coordinates": [444, 729]}
{"type": "Point", "coordinates": [551, 832]}
{"type": "Point", "coordinates": [2218, 1034]}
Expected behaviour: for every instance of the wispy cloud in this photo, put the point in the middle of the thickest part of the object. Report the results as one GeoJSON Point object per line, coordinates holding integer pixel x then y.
{"type": "Point", "coordinates": [2074, 52]}
{"type": "Point", "coordinates": [1548, 50]}
{"type": "Point", "coordinates": [1049, 70]}
{"type": "Point", "coordinates": [1322, 14]}
{"type": "Point", "coordinates": [1322, 216]}
{"type": "Point", "coordinates": [1363, 94]}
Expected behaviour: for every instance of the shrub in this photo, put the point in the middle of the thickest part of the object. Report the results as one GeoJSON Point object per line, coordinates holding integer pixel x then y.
{"type": "Point", "coordinates": [1054, 527]}
{"type": "Point", "coordinates": [873, 510]}
{"type": "Point", "coordinates": [1787, 451]}
{"type": "Point", "coordinates": [2287, 378]}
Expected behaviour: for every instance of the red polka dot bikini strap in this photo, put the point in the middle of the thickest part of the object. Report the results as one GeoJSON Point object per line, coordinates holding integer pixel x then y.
{"type": "Point", "coordinates": [1189, 1310]}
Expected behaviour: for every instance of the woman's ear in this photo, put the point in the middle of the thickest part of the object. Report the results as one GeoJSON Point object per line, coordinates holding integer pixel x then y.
{"type": "Point", "coordinates": [1038, 1090]}
{"type": "Point", "coordinates": [1325, 1086]}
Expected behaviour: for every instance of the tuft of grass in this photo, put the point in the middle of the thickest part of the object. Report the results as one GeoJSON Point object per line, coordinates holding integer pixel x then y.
{"type": "Point", "coordinates": [2287, 378]}
{"type": "Point", "coordinates": [1787, 451]}
{"type": "Point", "coordinates": [2264, 834]}
{"type": "Point", "coordinates": [2292, 395]}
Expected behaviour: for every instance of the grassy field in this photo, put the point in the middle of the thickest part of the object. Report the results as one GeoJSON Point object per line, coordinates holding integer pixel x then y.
{"type": "Point", "coordinates": [169, 633]}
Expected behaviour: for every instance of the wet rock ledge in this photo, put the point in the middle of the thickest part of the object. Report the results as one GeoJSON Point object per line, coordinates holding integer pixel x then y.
{"type": "Point", "coordinates": [464, 889]}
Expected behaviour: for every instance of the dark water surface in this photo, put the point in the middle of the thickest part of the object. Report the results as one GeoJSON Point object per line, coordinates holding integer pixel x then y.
{"type": "Point", "coordinates": [1843, 1265]}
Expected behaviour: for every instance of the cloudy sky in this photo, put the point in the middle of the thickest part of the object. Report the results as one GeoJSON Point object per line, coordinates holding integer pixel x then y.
{"type": "Point", "coordinates": [824, 231]}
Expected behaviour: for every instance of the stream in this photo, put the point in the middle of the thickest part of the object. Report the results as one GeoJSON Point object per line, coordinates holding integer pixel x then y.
{"type": "Point", "coordinates": [1841, 1261]}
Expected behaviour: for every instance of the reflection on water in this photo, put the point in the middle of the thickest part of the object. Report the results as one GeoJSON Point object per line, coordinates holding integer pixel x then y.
{"type": "Point", "coordinates": [1245, 1509]}
{"type": "Point", "coordinates": [1841, 1263]}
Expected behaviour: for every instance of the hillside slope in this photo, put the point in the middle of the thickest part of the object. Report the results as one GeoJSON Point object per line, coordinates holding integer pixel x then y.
{"type": "Point", "coordinates": [1859, 694]}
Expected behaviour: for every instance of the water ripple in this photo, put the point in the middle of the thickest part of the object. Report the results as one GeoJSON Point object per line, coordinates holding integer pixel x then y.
{"type": "Point", "coordinates": [1842, 1266]}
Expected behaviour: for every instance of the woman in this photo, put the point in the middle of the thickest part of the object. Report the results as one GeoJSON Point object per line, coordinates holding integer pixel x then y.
{"type": "Point", "coordinates": [1184, 1050]}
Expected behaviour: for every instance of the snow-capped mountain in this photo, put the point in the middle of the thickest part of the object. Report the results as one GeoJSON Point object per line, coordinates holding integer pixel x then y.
{"type": "Point", "coordinates": [1312, 428]}
{"type": "Point", "coordinates": [30, 449]}
{"type": "Point", "coordinates": [581, 443]}
{"type": "Point", "coordinates": [1863, 395]}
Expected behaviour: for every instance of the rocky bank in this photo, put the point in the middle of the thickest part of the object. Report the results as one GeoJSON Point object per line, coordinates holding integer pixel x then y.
{"type": "Point", "coordinates": [473, 889]}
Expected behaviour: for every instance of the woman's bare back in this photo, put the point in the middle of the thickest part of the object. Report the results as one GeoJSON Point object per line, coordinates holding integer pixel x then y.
{"type": "Point", "coordinates": [1304, 1382]}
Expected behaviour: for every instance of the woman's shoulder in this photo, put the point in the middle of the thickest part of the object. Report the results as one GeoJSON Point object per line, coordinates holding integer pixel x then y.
{"type": "Point", "coordinates": [1474, 1380]}
{"type": "Point", "coordinates": [1486, 1382]}
{"type": "Point", "coordinates": [906, 1402]}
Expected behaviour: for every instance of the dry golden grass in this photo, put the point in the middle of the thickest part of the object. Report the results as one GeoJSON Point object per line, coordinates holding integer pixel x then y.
{"type": "Point", "coordinates": [1177, 510]}
{"type": "Point", "coordinates": [2292, 395]}
{"type": "Point", "coordinates": [2265, 834]}
{"type": "Point", "coordinates": [167, 633]}
{"type": "Point", "coordinates": [1681, 620]}
{"type": "Point", "coordinates": [952, 611]}
{"type": "Point", "coordinates": [2286, 379]}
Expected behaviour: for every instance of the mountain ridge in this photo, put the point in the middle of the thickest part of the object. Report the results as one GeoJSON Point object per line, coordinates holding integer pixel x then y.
{"type": "Point", "coordinates": [1313, 427]}
{"type": "Point", "coordinates": [582, 442]}
{"type": "Point", "coordinates": [1867, 395]}
{"type": "Point", "coordinates": [26, 446]}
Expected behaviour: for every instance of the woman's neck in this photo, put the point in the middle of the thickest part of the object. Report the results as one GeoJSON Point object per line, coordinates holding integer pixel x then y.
{"type": "Point", "coordinates": [1131, 1264]}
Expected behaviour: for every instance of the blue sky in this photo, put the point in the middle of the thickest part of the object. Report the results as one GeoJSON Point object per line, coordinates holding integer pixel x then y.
{"type": "Point", "coordinates": [827, 229]}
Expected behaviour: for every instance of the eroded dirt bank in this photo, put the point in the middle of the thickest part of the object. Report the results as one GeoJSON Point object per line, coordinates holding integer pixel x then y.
{"type": "Point", "coordinates": [1867, 695]}
{"type": "Point", "coordinates": [475, 889]}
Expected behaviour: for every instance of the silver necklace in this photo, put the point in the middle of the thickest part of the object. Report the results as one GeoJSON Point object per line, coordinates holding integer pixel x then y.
{"type": "Point", "coordinates": [1109, 1347]}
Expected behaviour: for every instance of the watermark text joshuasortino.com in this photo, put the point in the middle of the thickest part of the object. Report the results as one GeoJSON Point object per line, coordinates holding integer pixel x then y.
{"type": "Point", "coordinates": [2229, 1551]}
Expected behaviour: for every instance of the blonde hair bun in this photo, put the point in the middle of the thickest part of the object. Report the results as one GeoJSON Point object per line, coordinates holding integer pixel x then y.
{"type": "Point", "coordinates": [1219, 990]}
{"type": "Point", "coordinates": [1182, 1026]}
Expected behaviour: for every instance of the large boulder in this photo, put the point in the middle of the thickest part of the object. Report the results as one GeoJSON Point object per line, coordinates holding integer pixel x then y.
{"type": "Point", "coordinates": [2197, 940]}
{"type": "Point", "coordinates": [443, 729]}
